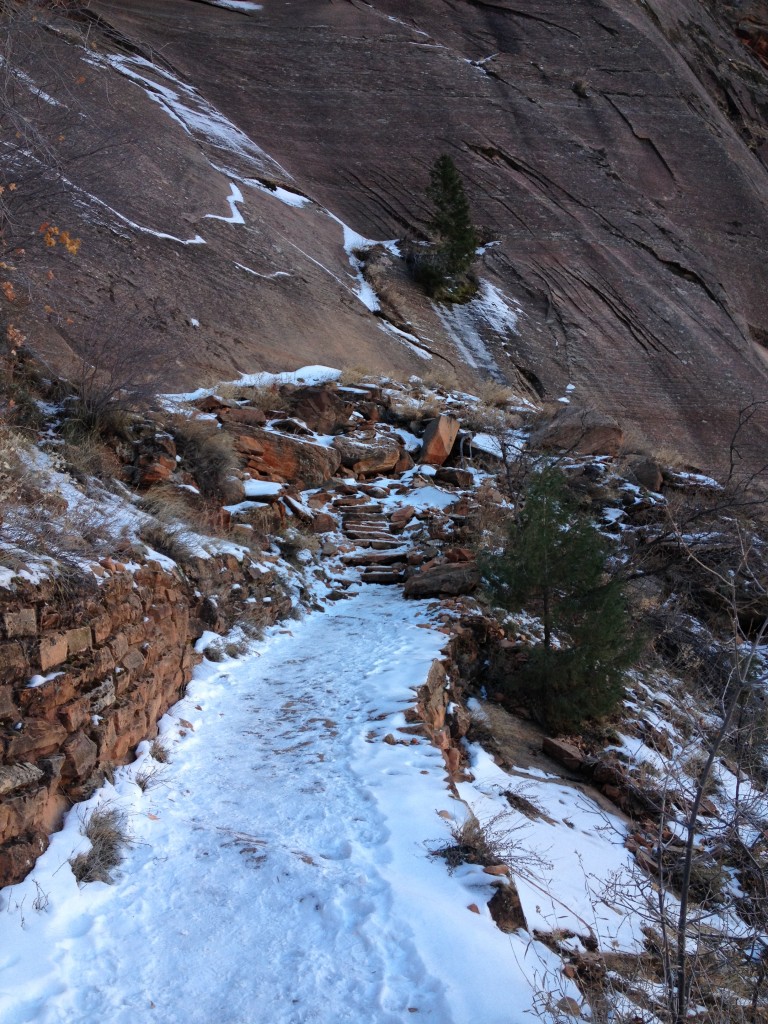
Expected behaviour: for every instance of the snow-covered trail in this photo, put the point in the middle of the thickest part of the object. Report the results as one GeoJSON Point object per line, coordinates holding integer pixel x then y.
{"type": "Point", "coordinates": [279, 873]}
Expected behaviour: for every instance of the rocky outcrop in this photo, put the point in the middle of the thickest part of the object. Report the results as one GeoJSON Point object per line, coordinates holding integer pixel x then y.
{"type": "Point", "coordinates": [582, 431]}
{"type": "Point", "coordinates": [368, 456]}
{"type": "Point", "coordinates": [449, 578]}
{"type": "Point", "coordinates": [285, 458]}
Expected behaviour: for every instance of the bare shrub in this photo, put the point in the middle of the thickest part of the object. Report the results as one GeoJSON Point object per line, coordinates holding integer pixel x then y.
{"type": "Point", "coordinates": [166, 539]}
{"type": "Point", "coordinates": [120, 364]}
{"type": "Point", "coordinates": [293, 540]}
{"type": "Point", "coordinates": [149, 776]}
{"type": "Point", "coordinates": [494, 394]}
{"type": "Point", "coordinates": [159, 752]}
{"type": "Point", "coordinates": [107, 830]}
{"type": "Point", "coordinates": [497, 840]}
{"type": "Point", "coordinates": [207, 453]}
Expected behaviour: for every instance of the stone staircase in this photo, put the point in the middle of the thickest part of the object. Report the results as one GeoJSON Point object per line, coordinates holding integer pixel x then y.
{"type": "Point", "coordinates": [382, 557]}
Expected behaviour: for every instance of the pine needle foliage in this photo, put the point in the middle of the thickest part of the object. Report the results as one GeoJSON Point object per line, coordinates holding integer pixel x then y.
{"type": "Point", "coordinates": [442, 267]}
{"type": "Point", "coordinates": [451, 221]}
{"type": "Point", "coordinates": [554, 564]}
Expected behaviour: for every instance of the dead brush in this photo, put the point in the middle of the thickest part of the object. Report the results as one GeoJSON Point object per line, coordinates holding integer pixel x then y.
{"type": "Point", "coordinates": [495, 395]}
{"type": "Point", "coordinates": [293, 540]}
{"type": "Point", "coordinates": [166, 540]}
{"type": "Point", "coordinates": [159, 752]}
{"type": "Point", "coordinates": [207, 453]}
{"type": "Point", "coordinates": [497, 840]}
{"type": "Point", "coordinates": [150, 776]}
{"type": "Point", "coordinates": [107, 830]}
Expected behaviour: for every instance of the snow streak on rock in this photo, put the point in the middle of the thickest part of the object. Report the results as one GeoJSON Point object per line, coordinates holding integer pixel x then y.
{"type": "Point", "coordinates": [489, 309]}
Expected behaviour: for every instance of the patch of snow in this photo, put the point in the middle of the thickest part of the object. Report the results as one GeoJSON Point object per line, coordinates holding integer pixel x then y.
{"type": "Point", "coordinates": [190, 110]}
{"type": "Point", "coordinates": [22, 76]}
{"type": "Point", "coordinates": [463, 322]}
{"type": "Point", "coordinates": [511, 445]}
{"type": "Point", "coordinates": [261, 488]}
{"type": "Point", "coordinates": [264, 277]}
{"type": "Point", "coordinates": [409, 340]}
{"type": "Point", "coordinates": [283, 823]}
{"type": "Point", "coordinates": [242, 6]}
{"type": "Point", "coordinates": [38, 680]}
{"type": "Point", "coordinates": [81, 195]}
{"type": "Point", "coordinates": [411, 442]}
{"type": "Point", "coordinates": [235, 197]}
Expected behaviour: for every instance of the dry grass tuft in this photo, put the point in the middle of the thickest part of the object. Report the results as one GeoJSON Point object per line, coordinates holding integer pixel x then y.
{"type": "Point", "coordinates": [166, 540]}
{"type": "Point", "coordinates": [207, 452]}
{"type": "Point", "coordinates": [159, 752]}
{"type": "Point", "coordinates": [107, 830]}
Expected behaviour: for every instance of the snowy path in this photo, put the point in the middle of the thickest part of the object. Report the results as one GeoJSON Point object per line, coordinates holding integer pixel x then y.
{"type": "Point", "coordinates": [279, 873]}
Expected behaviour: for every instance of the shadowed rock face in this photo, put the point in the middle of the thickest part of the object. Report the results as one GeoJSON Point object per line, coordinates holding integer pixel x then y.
{"type": "Point", "coordinates": [617, 151]}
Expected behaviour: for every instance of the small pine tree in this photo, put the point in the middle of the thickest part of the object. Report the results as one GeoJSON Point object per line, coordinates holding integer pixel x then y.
{"type": "Point", "coordinates": [442, 267]}
{"type": "Point", "coordinates": [451, 221]}
{"type": "Point", "coordinates": [554, 564]}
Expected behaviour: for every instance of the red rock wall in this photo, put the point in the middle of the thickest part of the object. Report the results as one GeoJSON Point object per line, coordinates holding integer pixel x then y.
{"type": "Point", "coordinates": [111, 655]}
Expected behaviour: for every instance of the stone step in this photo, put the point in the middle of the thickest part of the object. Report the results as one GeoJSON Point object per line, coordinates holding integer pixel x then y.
{"type": "Point", "coordinates": [351, 505]}
{"type": "Point", "coordinates": [384, 576]}
{"type": "Point", "coordinates": [370, 535]}
{"type": "Point", "coordinates": [375, 544]}
{"type": "Point", "coordinates": [366, 558]}
{"type": "Point", "coordinates": [381, 526]}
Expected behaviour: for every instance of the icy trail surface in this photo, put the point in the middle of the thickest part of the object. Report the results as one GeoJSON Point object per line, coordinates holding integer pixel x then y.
{"type": "Point", "coordinates": [279, 872]}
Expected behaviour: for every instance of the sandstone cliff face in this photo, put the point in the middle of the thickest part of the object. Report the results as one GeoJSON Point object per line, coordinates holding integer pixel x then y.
{"type": "Point", "coordinates": [616, 151]}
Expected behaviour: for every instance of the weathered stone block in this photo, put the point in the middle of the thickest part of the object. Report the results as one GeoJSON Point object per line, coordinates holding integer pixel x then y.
{"type": "Point", "coordinates": [102, 696]}
{"type": "Point", "coordinates": [12, 660]}
{"type": "Point", "coordinates": [102, 627]}
{"type": "Point", "coordinates": [38, 738]}
{"type": "Point", "coordinates": [78, 640]}
{"type": "Point", "coordinates": [75, 714]}
{"type": "Point", "coordinates": [20, 623]}
{"type": "Point", "coordinates": [53, 651]}
{"type": "Point", "coordinates": [18, 856]}
{"type": "Point", "coordinates": [133, 663]}
{"type": "Point", "coordinates": [18, 776]}
{"type": "Point", "coordinates": [118, 645]}
{"type": "Point", "coordinates": [81, 754]}
{"type": "Point", "coordinates": [44, 700]}
{"type": "Point", "coordinates": [7, 706]}
{"type": "Point", "coordinates": [438, 440]}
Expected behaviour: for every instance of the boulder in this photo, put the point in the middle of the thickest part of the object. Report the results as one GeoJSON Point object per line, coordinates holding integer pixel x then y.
{"type": "Point", "coordinates": [449, 579]}
{"type": "Point", "coordinates": [564, 753]}
{"type": "Point", "coordinates": [246, 414]}
{"type": "Point", "coordinates": [459, 555]}
{"type": "Point", "coordinates": [18, 776]}
{"type": "Point", "coordinates": [457, 477]}
{"type": "Point", "coordinates": [648, 474]}
{"type": "Point", "coordinates": [438, 440]}
{"type": "Point", "coordinates": [580, 430]}
{"type": "Point", "coordinates": [379, 455]}
{"type": "Point", "coordinates": [321, 408]}
{"type": "Point", "coordinates": [81, 755]}
{"type": "Point", "coordinates": [401, 517]}
{"type": "Point", "coordinates": [287, 459]}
